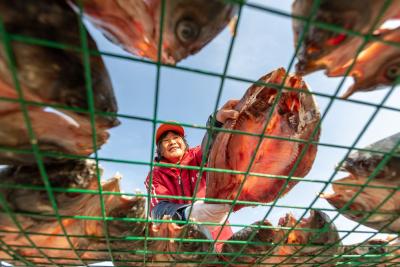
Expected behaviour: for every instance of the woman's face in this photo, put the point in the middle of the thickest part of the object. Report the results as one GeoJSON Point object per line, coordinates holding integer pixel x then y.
{"type": "Point", "coordinates": [172, 147]}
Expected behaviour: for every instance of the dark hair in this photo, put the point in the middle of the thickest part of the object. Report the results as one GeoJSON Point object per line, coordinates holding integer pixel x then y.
{"type": "Point", "coordinates": [159, 157]}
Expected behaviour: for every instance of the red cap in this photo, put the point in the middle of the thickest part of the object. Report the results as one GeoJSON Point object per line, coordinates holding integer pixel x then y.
{"type": "Point", "coordinates": [165, 127]}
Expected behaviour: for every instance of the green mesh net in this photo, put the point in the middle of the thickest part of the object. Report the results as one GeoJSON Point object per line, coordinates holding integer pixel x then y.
{"type": "Point", "coordinates": [372, 254]}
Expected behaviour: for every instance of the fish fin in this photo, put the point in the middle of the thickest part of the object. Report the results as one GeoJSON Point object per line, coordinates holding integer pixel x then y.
{"type": "Point", "coordinates": [349, 92]}
{"type": "Point", "coordinates": [232, 25]}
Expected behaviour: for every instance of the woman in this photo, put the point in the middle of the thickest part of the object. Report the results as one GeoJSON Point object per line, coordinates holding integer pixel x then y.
{"type": "Point", "coordinates": [172, 148]}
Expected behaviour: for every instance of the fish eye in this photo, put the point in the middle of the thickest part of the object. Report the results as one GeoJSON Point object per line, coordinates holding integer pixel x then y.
{"type": "Point", "coordinates": [393, 72]}
{"type": "Point", "coordinates": [187, 30]}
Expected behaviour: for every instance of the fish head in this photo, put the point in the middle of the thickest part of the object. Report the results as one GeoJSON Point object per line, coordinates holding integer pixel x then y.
{"type": "Point", "coordinates": [363, 163]}
{"type": "Point", "coordinates": [295, 236]}
{"type": "Point", "coordinates": [192, 231]}
{"type": "Point", "coordinates": [264, 238]}
{"type": "Point", "coordinates": [361, 207]}
{"type": "Point", "coordinates": [296, 107]}
{"type": "Point", "coordinates": [189, 26]}
{"type": "Point", "coordinates": [360, 163]}
{"type": "Point", "coordinates": [372, 247]}
{"type": "Point", "coordinates": [319, 220]}
{"type": "Point", "coordinates": [127, 207]}
{"type": "Point", "coordinates": [385, 70]}
{"type": "Point", "coordinates": [173, 231]}
{"type": "Point", "coordinates": [318, 41]}
{"type": "Point", "coordinates": [55, 75]}
{"type": "Point", "coordinates": [309, 236]}
{"type": "Point", "coordinates": [319, 224]}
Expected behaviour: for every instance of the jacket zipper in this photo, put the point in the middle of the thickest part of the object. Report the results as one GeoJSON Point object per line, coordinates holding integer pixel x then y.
{"type": "Point", "coordinates": [180, 182]}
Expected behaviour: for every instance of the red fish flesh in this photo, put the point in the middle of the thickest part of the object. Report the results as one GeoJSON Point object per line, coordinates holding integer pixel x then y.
{"type": "Point", "coordinates": [295, 115]}
{"type": "Point", "coordinates": [134, 24]}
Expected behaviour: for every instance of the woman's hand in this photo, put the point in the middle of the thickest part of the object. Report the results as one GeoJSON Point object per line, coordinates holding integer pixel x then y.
{"type": "Point", "coordinates": [227, 111]}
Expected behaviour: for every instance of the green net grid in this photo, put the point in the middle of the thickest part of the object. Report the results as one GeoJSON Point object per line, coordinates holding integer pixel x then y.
{"type": "Point", "coordinates": [7, 38]}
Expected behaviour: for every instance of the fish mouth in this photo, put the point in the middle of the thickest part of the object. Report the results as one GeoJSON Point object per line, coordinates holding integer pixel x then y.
{"type": "Point", "coordinates": [334, 198]}
{"type": "Point", "coordinates": [355, 210]}
{"type": "Point", "coordinates": [294, 236]}
{"type": "Point", "coordinates": [288, 103]}
{"type": "Point", "coordinates": [287, 221]}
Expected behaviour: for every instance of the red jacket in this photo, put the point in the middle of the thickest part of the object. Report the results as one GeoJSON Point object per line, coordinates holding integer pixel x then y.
{"type": "Point", "coordinates": [181, 182]}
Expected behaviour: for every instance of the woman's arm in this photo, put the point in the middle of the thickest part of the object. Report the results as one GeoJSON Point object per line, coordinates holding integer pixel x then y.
{"type": "Point", "coordinates": [226, 112]}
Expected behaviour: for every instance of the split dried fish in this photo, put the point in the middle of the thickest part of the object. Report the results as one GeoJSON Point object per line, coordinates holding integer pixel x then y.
{"type": "Point", "coordinates": [295, 116]}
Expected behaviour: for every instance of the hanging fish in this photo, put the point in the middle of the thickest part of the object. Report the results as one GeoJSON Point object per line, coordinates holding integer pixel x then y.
{"type": "Point", "coordinates": [326, 49]}
{"type": "Point", "coordinates": [369, 198]}
{"type": "Point", "coordinates": [184, 253]}
{"type": "Point", "coordinates": [135, 24]}
{"type": "Point", "coordinates": [385, 68]}
{"type": "Point", "coordinates": [285, 246]}
{"type": "Point", "coordinates": [308, 242]}
{"type": "Point", "coordinates": [295, 116]}
{"type": "Point", "coordinates": [59, 132]}
{"type": "Point", "coordinates": [126, 218]}
{"type": "Point", "coordinates": [50, 76]}
{"type": "Point", "coordinates": [53, 75]}
{"type": "Point", "coordinates": [363, 163]}
{"type": "Point", "coordinates": [379, 252]}
{"type": "Point", "coordinates": [39, 217]}
{"type": "Point", "coordinates": [262, 243]}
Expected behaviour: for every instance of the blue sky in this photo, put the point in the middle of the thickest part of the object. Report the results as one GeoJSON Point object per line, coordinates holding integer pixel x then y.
{"type": "Point", "coordinates": [264, 42]}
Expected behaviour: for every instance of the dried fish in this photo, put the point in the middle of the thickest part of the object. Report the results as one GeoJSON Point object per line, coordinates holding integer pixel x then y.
{"type": "Point", "coordinates": [75, 190]}
{"type": "Point", "coordinates": [23, 184]}
{"type": "Point", "coordinates": [316, 243]}
{"type": "Point", "coordinates": [305, 244]}
{"type": "Point", "coordinates": [261, 245]}
{"type": "Point", "coordinates": [56, 132]}
{"type": "Point", "coordinates": [367, 200]}
{"type": "Point", "coordinates": [50, 75]}
{"type": "Point", "coordinates": [323, 48]}
{"type": "Point", "coordinates": [53, 75]}
{"type": "Point", "coordinates": [295, 116]}
{"type": "Point", "coordinates": [135, 24]}
{"type": "Point", "coordinates": [376, 252]}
